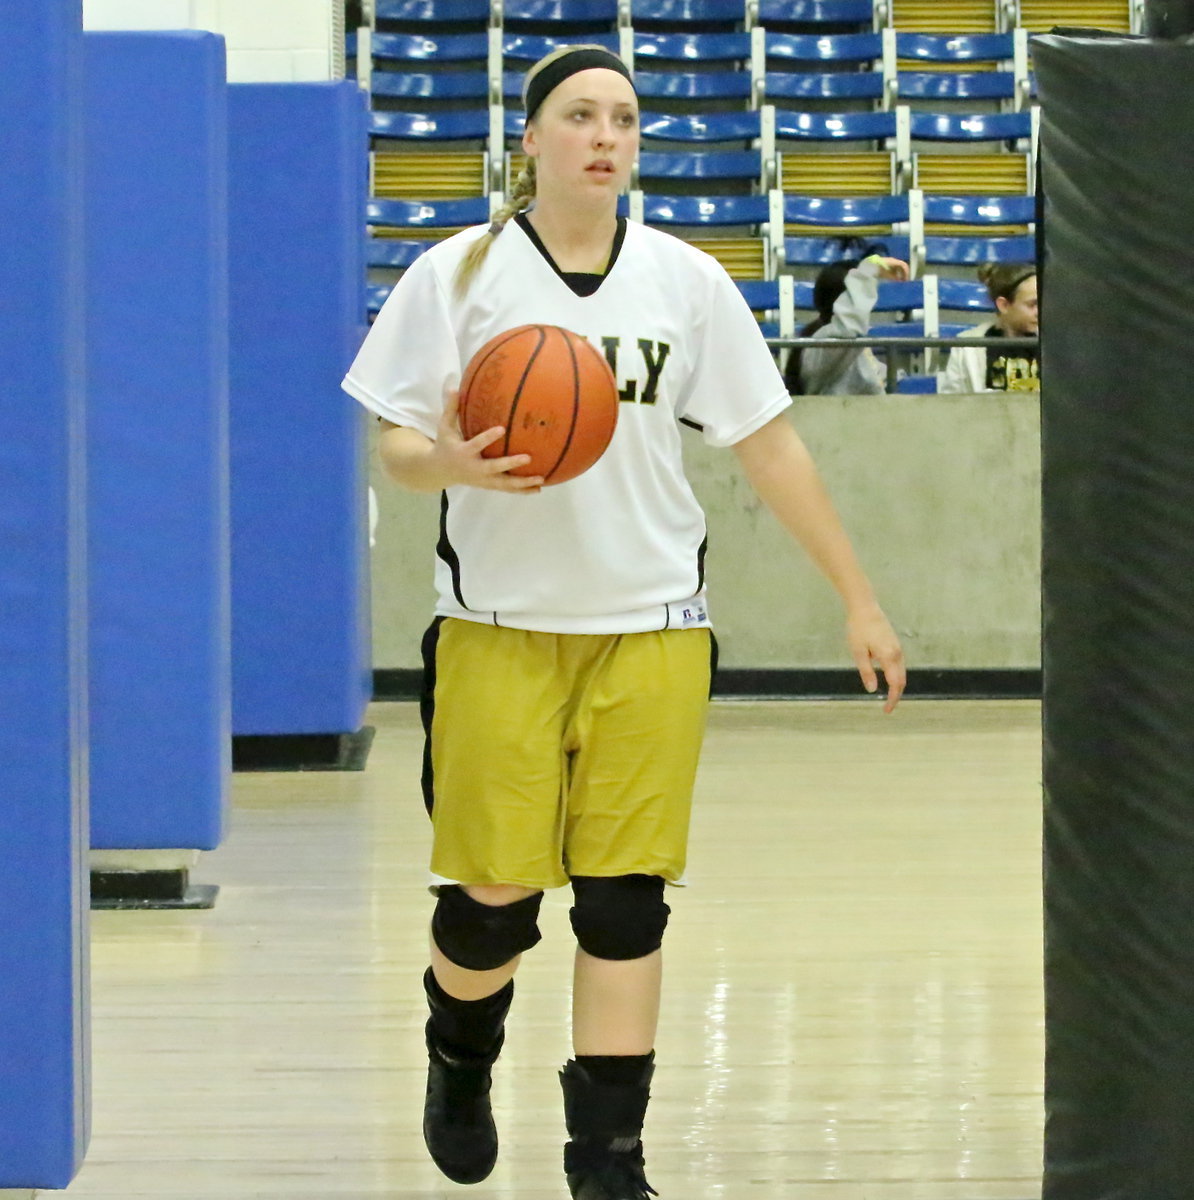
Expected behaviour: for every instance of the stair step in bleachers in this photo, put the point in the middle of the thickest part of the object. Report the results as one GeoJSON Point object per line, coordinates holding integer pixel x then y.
{"type": "Point", "coordinates": [1039, 16]}
{"type": "Point", "coordinates": [945, 16]}
{"type": "Point", "coordinates": [420, 176]}
{"type": "Point", "coordinates": [742, 257]}
{"type": "Point", "coordinates": [972, 174]}
{"type": "Point", "coordinates": [864, 173]}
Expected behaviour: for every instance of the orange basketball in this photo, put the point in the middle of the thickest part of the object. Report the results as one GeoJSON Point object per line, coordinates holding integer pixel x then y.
{"type": "Point", "coordinates": [551, 390]}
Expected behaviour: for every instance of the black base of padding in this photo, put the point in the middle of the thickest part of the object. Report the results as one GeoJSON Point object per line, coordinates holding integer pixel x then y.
{"type": "Point", "coordinates": [805, 683]}
{"type": "Point", "coordinates": [303, 751]}
{"type": "Point", "coordinates": [149, 889]}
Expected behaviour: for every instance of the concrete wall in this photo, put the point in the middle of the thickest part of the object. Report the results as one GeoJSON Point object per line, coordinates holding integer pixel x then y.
{"type": "Point", "coordinates": [269, 41]}
{"type": "Point", "coordinates": [941, 495]}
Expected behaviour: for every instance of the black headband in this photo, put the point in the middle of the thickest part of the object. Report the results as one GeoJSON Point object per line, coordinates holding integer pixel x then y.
{"type": "Point", "coordinates": [1009, 292]}
{"type": "Point", "coordinates": [556, 71]}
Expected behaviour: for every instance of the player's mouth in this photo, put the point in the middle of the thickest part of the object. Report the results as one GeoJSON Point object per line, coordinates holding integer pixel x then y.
{"type": "Point", "coordinates": [601, 167]}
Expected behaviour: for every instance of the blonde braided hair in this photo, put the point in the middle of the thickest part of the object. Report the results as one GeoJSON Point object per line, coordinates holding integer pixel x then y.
{"type": "Point", "coordinates": [521, 194]}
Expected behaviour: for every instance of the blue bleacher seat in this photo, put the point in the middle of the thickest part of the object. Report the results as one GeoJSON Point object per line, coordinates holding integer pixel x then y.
{"type": "Point", "coordinates": [375, 296]}
{"type": "Point", "coordinates": [446, 12]}
{"type": "Point", "coordinates": [805, 50]}
{"type": "Point", "coordinates": [702, 85]}
{"type": "Point", "coordinates": [816, 12]}
{"type": "Point", "coordinates": [970, 251]}
{"type": "Point", "coordinates": [971, 127]}
{"type": "Point", "coordinates": [427, 214]}
{"type": "Point", "coordinates": [701, 127]}
{"type": "Point", "coordinates": [980, 210]}
{"type": "Point", "coordinates": [442, 126]}
{"type": "Point", "coordinates": [705, 164]}
{"type": "Point", "coordinates": [955, 85]}
{"type": "Point", "coordinates": [842, 214]}
{"type": "Point", "coordinates": [395, 253]}
{"type": "Point", "coordinates": [964, 295]}
{"type": "Point", "coordinates": [823, 85]}
{"type": "Point", "coordinates": [772, 296]}
{"type": "Point", "coordinates": [900, 295]}
{"type": "Point", "coordinates": [955, 47]}
{"type": "Point", "coordinates": [692, 47]}
{"type": "Point", "coordinates": [686, 12]}
{"type": "Point", "coordinates": [834, 127]}
{"type": "Point", "coordinates": [705, 210]}
{"type": "Point", "coordinates": [917, 385]}
{"type": "Point", "coordinates": [570, 12]}
{"type": "Point", "coordinates": [819, 251]}
{"type": "Point", "coordinates": [531, 47]}
{"type": "Point", "coordinates": [430, 47]}
{"type": "Point", "coordinates": [440, 85]}
{"type": "Point", "coordinates": [824, 48]}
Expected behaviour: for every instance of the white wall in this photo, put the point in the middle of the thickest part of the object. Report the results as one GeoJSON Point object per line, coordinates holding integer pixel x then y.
{"type": "Point", "coordinates": [269, 41]}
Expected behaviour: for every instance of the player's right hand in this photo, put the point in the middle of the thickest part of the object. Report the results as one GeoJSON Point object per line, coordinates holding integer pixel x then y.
{"type": "Point", "coordinates": [462, 462]}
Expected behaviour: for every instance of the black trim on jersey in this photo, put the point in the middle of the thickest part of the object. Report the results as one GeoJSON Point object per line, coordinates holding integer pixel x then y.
{"type": "Point", "coordinates": [692, 424]}
{"type": "Point", "coordinates": [429, 647]}
{"type": "Point", "coordinates": [582, 283]}
{"type": "Point", "coordinates": [701, 562]}
{"type": "Point", "coordinates": [447, 552]}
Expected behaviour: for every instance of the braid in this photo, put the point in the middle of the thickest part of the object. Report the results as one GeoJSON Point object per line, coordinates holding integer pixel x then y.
{"type": "Point", "coordinates": [521, 195]}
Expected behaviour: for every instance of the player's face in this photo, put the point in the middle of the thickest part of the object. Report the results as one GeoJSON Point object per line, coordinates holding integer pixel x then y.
{"type": "Point", "coordinates": [1020, 315]}
{"type": "Point", "coordinates": [585, 134]}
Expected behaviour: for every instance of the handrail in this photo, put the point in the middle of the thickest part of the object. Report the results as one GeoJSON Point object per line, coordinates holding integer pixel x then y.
{"type": "Point", "coordinates": [906, 343]}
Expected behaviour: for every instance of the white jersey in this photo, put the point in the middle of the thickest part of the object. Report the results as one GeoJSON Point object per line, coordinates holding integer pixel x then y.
{"type": "Point", "coordinates": [620, 548]}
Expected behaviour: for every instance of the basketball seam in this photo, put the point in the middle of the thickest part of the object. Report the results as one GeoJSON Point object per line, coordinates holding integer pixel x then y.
{"type": "Point", "coordinates": [575, 409]}
{"type": "Point", "coordinates": [521, 383]}
{"type": "Point", "coordinates": [512, 334]}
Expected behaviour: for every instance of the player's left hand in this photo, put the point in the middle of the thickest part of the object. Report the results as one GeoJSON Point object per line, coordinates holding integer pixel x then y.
{"type": "Point", "coordinates": [873, 641]}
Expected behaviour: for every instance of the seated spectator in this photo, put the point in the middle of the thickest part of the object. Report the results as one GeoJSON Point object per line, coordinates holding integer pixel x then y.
{"type": "Point", "coordinates": [990, 368]}
{"type": "Point", "coordinates": [843, 295]}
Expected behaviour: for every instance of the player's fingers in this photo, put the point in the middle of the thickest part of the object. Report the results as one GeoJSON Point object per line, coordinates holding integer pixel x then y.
{"type": "Point", "coordinates": [499, 466]}
{"type": "Point", "coordinates": [896, 676]}
{"type": "Point", "coordinates": [486, 438]}
{"type": "Point", "coordinates": [866, 671]}
{"type": "Point", "coordinates": [517, 483]}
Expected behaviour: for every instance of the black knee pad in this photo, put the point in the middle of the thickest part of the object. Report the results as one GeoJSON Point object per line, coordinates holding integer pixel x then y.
{"type": "Point", "coordinates": [619, 918]}
{"type": "Point", "coordinates": [482, 937]}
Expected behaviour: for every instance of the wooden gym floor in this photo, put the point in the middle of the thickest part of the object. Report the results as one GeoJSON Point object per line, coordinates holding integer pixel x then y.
{"type": "Point", "coordinates": [852, 1006]}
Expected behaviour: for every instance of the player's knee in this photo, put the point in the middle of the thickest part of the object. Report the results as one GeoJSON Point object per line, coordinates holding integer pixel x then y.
{"type": "Point", "coordinates": [619, 918]}
{"type": "Point", "coordinates": [483, 936]}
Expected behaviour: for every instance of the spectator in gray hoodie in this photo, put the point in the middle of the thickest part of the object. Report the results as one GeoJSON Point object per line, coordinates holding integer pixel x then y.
{"type": "Point", "coordinates": [844, 295]}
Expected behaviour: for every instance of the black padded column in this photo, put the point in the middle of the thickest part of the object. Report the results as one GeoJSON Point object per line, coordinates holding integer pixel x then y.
{"type": "Point", "coordinates": [1118, 588]}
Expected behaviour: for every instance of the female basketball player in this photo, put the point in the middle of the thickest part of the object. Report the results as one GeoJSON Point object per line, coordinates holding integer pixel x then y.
{"type": "Point", "coordinates": [568, 666]}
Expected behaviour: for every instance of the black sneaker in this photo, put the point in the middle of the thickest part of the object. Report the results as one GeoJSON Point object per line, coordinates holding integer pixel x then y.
{"type": "Point", "coordinates": [457, 1118]}
{"type": "Point", "coordinates": [602, 1173]}
{"type": "Point", "coordinates": [604, 1159]}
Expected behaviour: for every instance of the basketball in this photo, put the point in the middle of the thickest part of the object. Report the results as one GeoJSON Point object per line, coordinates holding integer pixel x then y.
{"type": "Point", "coordinates": [552, 392]}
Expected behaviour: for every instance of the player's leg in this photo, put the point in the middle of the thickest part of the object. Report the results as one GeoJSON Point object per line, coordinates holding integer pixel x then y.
{"type": "Point", "coordinates": [492, 781]}
{"type": "Point", "coordinates": [638, 736]}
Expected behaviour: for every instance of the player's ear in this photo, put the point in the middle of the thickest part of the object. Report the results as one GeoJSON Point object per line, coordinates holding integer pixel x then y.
{"type": "Point", "coordinates": [528, 139]}
{"type": "Point", "coordinates": [1002, 304]}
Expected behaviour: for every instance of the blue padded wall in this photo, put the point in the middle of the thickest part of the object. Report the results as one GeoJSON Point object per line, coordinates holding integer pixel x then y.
{"type": "Point", "coordinates": [300, 619]}
{"type": "Point", "coordinates": [157, 337]}
{"type": "Point", "coordinates": [44, 1105]}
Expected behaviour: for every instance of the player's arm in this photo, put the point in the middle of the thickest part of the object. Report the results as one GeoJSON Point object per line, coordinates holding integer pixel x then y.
{"type": "Point", "coordinates": [781, 470]}
{"type": "Point", "coordinates": [422, 464]}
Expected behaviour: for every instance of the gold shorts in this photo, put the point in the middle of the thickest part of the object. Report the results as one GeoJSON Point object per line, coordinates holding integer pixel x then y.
{"type": "Point", "coordinates": [557, 754]}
